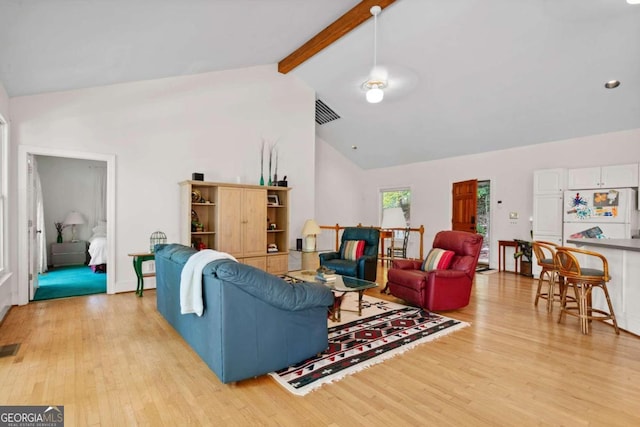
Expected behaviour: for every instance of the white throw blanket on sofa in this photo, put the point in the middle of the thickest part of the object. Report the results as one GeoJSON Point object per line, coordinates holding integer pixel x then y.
{"type": "Point", "coordinates": [191, 280]}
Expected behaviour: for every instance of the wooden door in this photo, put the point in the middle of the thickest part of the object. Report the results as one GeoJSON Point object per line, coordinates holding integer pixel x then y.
{"type": "Point", "coordinates": [254, 238]}
{"type": "Point", "coordinates": [465, 205]}
{"type": "Point", "coordinates": [230, 217]}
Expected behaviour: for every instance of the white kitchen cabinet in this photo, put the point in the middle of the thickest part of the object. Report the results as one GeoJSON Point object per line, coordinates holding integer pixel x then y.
{"type": "Point", "coordinates": [547, 214]}
{"type": "Point", "coordinates": [624, 266]}
{"type": "Point", "coordinates": [549, 181]}
{"type": "Point", "coordinates": [547, 221]}
{"type": "Point", "coordinates": [619, 176]}
{"type": "Point", "coordinates": [548, 190]}
{"type": "Point", "coordinates": [616, 176]}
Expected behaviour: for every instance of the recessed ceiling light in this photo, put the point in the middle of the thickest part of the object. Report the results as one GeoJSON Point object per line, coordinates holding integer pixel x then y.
{"type": "Point", "coordinates": [354, 147]}
{"type": "Point", "coordinates": [612, 84]}
{"type": "Point", "coordinates": [633, 1]}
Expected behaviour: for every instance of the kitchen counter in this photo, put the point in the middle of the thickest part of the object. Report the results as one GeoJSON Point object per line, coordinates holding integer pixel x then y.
{"type": "Point", "coordinates": [623, 258]}
{"type": "Point", "coordinates": [622, 244]}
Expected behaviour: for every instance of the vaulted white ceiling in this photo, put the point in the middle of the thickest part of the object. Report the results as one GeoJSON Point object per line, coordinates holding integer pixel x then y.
{"type": "Point", "coordinates": [465, 76]}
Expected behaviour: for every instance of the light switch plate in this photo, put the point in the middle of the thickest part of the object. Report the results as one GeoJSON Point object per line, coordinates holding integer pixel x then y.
{"type": "Point", "coordinates": [513, 215]}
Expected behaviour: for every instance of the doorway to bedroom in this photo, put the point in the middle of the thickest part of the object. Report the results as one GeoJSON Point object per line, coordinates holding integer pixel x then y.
{"type": "Point", "coordinates": [70, 211]}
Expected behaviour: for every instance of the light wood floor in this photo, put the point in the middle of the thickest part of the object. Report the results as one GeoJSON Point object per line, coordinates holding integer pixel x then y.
{"type": "Point", "coordinates": [112, 360]}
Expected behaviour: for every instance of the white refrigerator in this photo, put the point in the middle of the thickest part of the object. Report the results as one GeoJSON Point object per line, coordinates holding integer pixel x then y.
{"type": "Point", "coordinates": [603, 213]}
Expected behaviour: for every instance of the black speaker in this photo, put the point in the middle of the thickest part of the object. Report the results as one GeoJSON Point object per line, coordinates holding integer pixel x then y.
{"type": "Point", "coordinates": [197, 176]}
{"type": "Point", "coordinates": [298, 244]}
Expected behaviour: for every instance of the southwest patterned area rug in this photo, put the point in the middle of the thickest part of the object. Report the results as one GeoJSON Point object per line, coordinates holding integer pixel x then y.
{"type": "Point", "coordinates": [360, 342]}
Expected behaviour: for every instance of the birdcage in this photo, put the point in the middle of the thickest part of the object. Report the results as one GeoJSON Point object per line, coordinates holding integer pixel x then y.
{"type": "Point", "coordinates": [157, 237]}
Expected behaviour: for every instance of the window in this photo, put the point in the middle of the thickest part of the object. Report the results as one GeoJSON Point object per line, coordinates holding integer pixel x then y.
{"type": "Point", "coordinates": [4, 138]}
{"type": "Point", "coordinates": [397, 198]}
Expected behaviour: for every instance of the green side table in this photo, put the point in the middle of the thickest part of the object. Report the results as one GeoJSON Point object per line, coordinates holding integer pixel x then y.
{"type": "Point", "coordinates": [138, 259]}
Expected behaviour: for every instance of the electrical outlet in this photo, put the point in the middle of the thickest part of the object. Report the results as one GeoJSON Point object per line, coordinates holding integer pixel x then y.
{"type": "Point", "coordinates": [513, 215]}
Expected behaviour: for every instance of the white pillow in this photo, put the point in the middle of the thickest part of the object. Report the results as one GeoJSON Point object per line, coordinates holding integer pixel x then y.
{"type": "Point", "coordinates": [99, 229]}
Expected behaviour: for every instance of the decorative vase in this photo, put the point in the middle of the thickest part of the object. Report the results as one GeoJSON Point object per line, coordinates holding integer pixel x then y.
{"type": "Point", "coordinates": [269, 182]}
{"type": "Point", "coordinates": [275, 179]}
{"type": "Point", "coordinates": [59, 238]}
{"type": "Point", "coordinates": [261, 179]}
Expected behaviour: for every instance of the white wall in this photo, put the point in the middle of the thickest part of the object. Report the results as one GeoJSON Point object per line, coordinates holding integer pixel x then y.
{"type": "Point", "coordinates": [163, 130]}
{"type": "Point", "coordinates": [511, 175]}
{"type": "Point", "coordinates": [68, 185]}
{"type": "Point", "coordinates": [339, 192]}
{"type": "Point", "coordinates": [8, 277]}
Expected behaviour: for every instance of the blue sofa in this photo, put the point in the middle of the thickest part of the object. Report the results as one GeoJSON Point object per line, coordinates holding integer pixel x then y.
{"type": "Point", "coordinates": [253, 322]}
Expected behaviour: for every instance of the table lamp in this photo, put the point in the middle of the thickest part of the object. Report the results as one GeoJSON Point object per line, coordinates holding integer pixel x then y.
{"type": "Point", "coordinates": [393, 218]}
{"type": "Point", "coordinates": [309, 231]}
{"type": "Point", "coordinates": [74, 218]}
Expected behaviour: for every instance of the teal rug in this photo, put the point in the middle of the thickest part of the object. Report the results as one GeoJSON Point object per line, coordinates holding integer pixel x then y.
{"type": "Point", "coordinates": [63, 282]}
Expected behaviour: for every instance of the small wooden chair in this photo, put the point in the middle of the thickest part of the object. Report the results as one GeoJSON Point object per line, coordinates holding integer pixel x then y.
{"type": "Point", "coordinates": [398, 251]}
{"type": "Point", "coordinates": [545, 253]}
{"type": "Point", "coordinates": [583, 280]}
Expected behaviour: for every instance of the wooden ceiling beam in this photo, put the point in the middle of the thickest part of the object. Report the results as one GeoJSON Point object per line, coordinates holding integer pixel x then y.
{"type": "Point", "coordinates": [347, 22]}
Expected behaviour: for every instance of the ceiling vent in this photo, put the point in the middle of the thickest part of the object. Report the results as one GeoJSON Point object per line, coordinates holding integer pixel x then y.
{"type": "Point", "coordinates": [324, 114]}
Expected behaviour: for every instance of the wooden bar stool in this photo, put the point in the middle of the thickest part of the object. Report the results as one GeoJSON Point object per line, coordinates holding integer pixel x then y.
{"type": "Point", "coordinates": [583, 280]}
{"type": "Point", "coordinates": [545, 253]}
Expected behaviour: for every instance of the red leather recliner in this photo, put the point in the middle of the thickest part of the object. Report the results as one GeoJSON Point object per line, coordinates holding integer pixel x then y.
{"type": "Point", "coordinates": [438, 290]}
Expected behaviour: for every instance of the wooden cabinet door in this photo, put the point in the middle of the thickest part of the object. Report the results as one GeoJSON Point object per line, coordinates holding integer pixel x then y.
{"type": "Point", "coordinates": [254, 238]}
{"type": "Point", "coordinates": [257, 262]}
{"type": "Point", "coordinates": [230, 218]}
{"type": "Point", "coordinates": [278, 264]}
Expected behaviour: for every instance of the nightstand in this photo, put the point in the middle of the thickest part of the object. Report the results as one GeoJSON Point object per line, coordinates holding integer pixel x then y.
{"type": "Point", "coordinates": [69, 253]}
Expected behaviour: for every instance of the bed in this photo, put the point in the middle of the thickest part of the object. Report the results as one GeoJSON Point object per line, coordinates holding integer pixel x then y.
{"type": "Point", "coordinates": [98, 248]}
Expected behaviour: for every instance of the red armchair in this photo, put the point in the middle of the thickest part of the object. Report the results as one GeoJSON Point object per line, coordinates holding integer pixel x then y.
{"type": "Point", "coordinates": [438, 290]}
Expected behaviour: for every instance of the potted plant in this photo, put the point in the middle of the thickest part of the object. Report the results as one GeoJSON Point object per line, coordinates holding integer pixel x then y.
{"type": "Point", "coordinates": [59, 227]}
{"type": "Point", "coordinates": [524, 253]}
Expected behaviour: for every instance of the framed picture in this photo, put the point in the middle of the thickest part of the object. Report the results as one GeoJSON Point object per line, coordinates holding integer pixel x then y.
{"type": "Point", "coordinates": [273, 200]}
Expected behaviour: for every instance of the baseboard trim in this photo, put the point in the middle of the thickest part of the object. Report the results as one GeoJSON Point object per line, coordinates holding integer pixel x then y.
{"type": "Point", "coordinates": [4, 312]}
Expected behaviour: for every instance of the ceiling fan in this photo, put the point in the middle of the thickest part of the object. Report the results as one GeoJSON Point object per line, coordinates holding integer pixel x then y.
{"type": "Point", "coordinates": [379, 79]}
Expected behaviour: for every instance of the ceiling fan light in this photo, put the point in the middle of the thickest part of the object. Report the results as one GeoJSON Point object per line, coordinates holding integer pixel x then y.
{"type": "Point", "coordinates": [375, 94]}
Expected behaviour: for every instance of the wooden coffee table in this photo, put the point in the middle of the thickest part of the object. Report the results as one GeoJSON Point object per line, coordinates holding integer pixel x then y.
{"type": "Point", "coordinates": [342, 285]}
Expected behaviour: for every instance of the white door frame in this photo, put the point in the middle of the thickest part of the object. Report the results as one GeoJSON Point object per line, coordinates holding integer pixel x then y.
{"type": "Point", "coordinates": [23, 214]}
{"type": "Point", "coordinates": [33, 249]}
